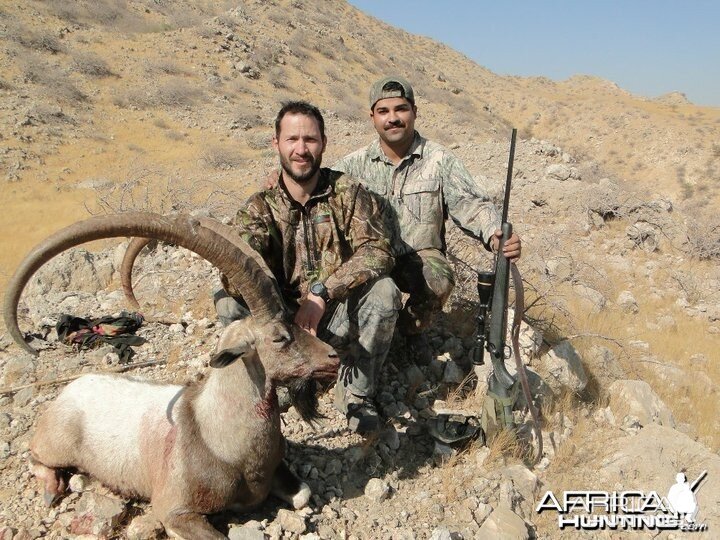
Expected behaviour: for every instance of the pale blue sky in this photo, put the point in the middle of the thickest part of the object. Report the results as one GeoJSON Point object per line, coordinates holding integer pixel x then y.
{"type": "Point", "coordinates": [649, 47]}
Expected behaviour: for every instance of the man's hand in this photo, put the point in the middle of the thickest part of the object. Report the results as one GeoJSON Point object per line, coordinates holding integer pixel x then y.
{"type": "Point", "coordinates": [311, 311]}
{"type": "Point", "coordinates": [512, 247]}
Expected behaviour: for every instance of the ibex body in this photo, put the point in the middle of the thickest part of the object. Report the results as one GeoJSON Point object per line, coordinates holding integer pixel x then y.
{"type": "Point", "coordinates": [191, 450]}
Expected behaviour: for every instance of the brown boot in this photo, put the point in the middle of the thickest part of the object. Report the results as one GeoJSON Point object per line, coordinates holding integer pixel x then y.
{"type": "Point", "coordinates": [363, 417]}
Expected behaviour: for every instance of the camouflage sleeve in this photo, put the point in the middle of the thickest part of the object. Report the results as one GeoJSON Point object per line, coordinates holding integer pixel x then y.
{"type": "Point", "coordinates": [365, 232]}
{"type": "Point", "coordinates": [468, 205]}
{"type": "Point", "coordinates": [251, 225]}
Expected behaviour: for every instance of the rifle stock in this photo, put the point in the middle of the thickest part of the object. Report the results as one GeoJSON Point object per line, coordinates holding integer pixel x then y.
{"type": "Point", "coordinates": [497, 331]}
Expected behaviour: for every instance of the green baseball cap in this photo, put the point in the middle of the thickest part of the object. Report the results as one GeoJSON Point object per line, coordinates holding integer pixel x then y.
{"type": "Point", "coordinates": [377, 93]}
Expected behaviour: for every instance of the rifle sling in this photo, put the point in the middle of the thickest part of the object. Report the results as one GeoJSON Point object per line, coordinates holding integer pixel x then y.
{"type": "Point", "coordinates": [515, 338]}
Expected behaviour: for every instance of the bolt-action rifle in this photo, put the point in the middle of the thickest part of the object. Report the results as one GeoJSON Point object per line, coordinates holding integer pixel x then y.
{"type": "Point", "coordinates": [490, 335]}
{"type": "Point", "coordinates": [493, 296]}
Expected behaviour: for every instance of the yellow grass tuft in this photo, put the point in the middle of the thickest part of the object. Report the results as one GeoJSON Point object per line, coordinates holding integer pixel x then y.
{"type": "Point", "coordinates": [505, 447]}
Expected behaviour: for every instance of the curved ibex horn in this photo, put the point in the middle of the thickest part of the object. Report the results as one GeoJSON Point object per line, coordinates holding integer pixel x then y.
{"type": "Point", "coordinates": [246, 272]}
{"type": "Point", "coordinates": [136, 245]}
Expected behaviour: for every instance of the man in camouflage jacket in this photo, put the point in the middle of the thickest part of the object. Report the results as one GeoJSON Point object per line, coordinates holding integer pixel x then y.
{"type": "Point", "coordinates": [423, 183]}
{"type": "Point", "coordinates": [323, 237]}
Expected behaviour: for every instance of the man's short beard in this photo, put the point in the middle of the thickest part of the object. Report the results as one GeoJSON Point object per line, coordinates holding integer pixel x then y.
{"type": "Point", "coordinates": [301, 178]}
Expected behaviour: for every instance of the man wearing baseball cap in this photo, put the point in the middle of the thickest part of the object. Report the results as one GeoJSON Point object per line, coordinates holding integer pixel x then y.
{"type": "Point", "coordinates": [423, 183]}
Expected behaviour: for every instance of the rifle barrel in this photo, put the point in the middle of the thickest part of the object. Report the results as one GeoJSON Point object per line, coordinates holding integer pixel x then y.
{"type": "Point", "coordinates": [508, 181]}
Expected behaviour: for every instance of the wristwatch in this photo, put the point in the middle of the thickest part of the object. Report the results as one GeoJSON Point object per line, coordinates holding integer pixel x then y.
{"type": "Point", "coordinates": [319, 289]}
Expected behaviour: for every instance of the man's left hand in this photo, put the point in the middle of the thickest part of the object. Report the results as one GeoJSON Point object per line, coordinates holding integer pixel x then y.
{"type": "Point", "coordinates": [512, 247]}
{"type": "Point", "coordinates": [311, 311]}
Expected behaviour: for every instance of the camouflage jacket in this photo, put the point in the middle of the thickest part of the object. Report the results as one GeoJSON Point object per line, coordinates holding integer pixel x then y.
{"type": "Point", "coordinates": [338, 237]}
{"type": "Point", "coordinates": [426, 187]}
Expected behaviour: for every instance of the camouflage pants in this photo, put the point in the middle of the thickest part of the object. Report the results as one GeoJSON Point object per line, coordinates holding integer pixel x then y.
{"type": "Point", "coordinates": [428, 278]}
{"type": "Point", "coordinates": [359, 328]}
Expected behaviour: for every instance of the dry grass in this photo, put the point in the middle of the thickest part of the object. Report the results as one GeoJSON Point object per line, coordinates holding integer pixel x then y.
{"type": "Point", "coordinates": [677, 345]}
{"type": "Point", "coordinates": [559, 407]}
{"type": "Point", "coordinates": [505, 448]}
{"type": "Point", "coordinates": [463, 396]}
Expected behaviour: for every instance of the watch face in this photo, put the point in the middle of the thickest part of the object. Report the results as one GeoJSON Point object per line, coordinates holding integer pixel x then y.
{"type": "Point", "coordinates": [318, 289]}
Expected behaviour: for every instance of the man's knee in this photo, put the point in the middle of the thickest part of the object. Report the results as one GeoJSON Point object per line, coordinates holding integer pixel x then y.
{"type": "Point", "coordinates": [385, 295]}
{"type": "Point", "coordinates": [227, 307]}
{"type": "Point", "coordinates": [440, 278]}
{"type": "Point", "coordinates": [442, 288]}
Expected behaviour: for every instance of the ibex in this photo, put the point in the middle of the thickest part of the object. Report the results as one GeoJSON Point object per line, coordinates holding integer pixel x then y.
{"type": "Point", "coordinates": [191, 450]}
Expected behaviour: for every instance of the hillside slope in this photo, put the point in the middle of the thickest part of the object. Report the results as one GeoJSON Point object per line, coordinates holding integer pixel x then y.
{"type": "Point", "coordinates": [109, 106]}
{"type": "Point", "coordinates": [101, 93]}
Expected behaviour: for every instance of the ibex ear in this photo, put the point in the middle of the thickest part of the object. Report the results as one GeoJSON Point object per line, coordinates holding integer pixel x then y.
{"type": "Point", "coordinates": [226, 357]}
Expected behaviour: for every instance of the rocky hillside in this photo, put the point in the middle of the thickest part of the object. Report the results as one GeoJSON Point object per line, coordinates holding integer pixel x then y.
{"type": "Point", "coordinates": [111, 106]}
{"type": "Point", "coordinates": [102, 94]}
{"type": "Point", "coordinates": [403, 484]}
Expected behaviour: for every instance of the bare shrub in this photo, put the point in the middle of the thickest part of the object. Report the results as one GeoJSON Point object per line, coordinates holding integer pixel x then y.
{"type": "Point", "coordinates": [464, 109]}
{"type": "Point", "coordinates": [4, 85]}
{"type": "Point", "coordinates": [277, 77]}
{"type": "Point", "coordinates": [110, 13]}
{"type": "Point", "coordinates": [174, 93]}
{"type": "Point", "coordinates": [177, 93]}
{"type": "Point", "coordinates": [262, 56]}
{"type": "Point", "coordinates": [347, 102]}
{"type": "Point", "coordinates": [92, 65]}
{"type": "Point", "coordinates": [324, 20]}
{"type": "Point", "coordinates": [135, 148]}
{"type": "Point", "coordinates": [258, 141]}
{"type": "Point", "coordinates": [298, 44]}
{"type": "Point", "coordinates": [703, 236]}
{"type": "Point", "coordinates": [221, 157]}
{"type": "Point", "coordinates": [56, 82]}
{"type": "Point", "coordinates": [127, 99]}
{"type": "Point", "coordinates": [49, 114]}
{"type": "Point", "coordinates": [334, 75]}
{"type": "Point", "coordinates": [228, 20]}
{"type": "Point", "coordinates": [175, 135]}
{"type": "Point", "coordinates": [279, 16]}
{"type": "Point", "coordinates": [180, 15]}
{"type": "Point", "coordinates": [205, 32]}
{"type": "Point", "coordinates": [37, 41]}
{"type": "Point", "coordinates": [325, 49]}
{"type": "Point", "coordinates": [245, 120]}
{"type": "Point", "coordinates": [149, 190]}
{"type": "Point", "coordinates": [164, 67]}
{"type": "Point", "coordinates": [160, 123]}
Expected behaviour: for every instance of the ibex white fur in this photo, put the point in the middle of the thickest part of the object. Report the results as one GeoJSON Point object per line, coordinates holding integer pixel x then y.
{"type": "Point", "coordinates": [190, 450]}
